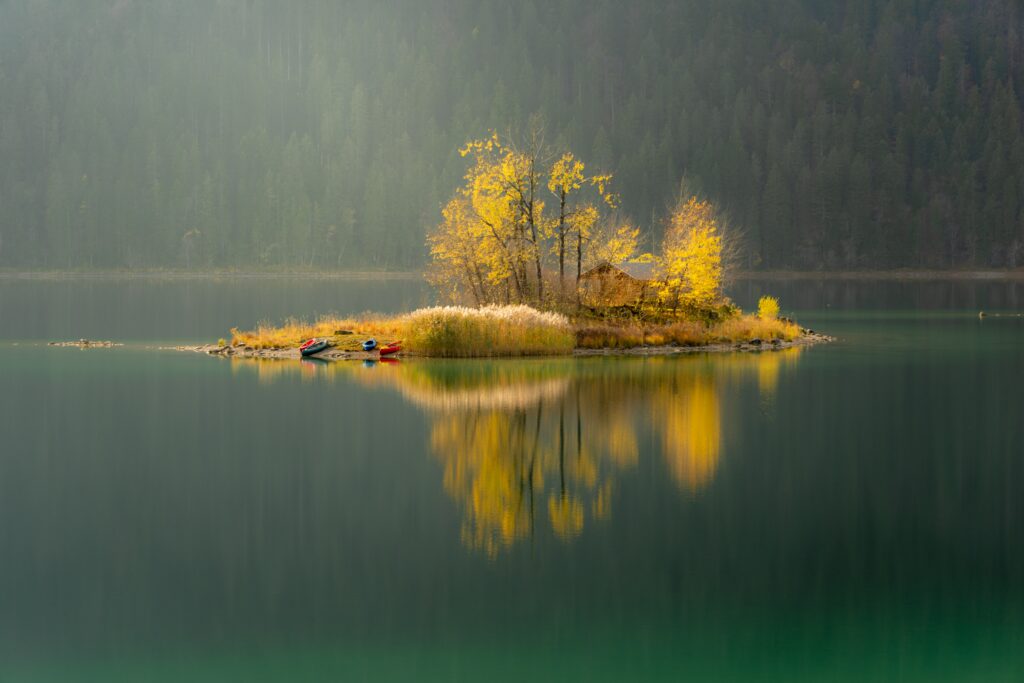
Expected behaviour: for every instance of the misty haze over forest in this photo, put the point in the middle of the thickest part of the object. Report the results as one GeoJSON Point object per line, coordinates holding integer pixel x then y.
{"type": "Point", "coordinates": [172, 133]}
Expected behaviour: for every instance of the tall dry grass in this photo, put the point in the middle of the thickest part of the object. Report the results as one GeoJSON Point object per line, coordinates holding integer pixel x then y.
{"type": "Point", "coordinates": [742, 328]}
{"type": "Point", "coordinates": [748, 327]}
{"type": "Point", "coordinates": [457, 331]}
{"type": "Point", "coordinates": [344, 333]}
{"type": "Point", "coordinates": [460, 332]}
{"type": "Point", "coordinates": [441, 331]}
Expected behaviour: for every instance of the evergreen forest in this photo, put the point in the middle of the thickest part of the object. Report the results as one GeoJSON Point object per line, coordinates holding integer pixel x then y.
{"type": "Point", "coordinates": [832, 134]}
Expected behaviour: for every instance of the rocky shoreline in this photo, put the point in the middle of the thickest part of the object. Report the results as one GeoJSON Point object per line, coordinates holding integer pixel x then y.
{"type": "Point", "coordinates": [86, 344]}
{"type": "Point", "coordinates": [809, 338]}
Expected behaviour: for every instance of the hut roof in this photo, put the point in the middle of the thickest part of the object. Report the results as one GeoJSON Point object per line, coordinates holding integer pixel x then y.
{"type": "Point", "coordinates": [637, 270]}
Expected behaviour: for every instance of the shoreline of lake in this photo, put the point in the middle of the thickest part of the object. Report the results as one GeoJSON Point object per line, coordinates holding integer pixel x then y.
{"type": "Point", "coordinates": [333, 354]}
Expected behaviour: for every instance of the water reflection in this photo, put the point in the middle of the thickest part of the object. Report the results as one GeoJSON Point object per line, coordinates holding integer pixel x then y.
{"type": "Point", "coordinates": [539, 446]}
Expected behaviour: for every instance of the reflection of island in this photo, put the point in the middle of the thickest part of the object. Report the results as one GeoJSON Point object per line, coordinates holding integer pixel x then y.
{"type": "Point", "coordinates": [536, 445]}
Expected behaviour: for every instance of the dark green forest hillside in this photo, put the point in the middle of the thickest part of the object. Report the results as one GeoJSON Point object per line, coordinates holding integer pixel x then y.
{"type": "Point", "coordinates": [324, 133]}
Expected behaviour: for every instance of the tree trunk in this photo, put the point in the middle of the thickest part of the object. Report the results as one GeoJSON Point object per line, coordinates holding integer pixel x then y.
{"type": "Point", "coordinates": [579, 263]}
{"type": "Point", "coordinates": [561, 244]}
{"type": "Point", "coordinates": [533, 233]}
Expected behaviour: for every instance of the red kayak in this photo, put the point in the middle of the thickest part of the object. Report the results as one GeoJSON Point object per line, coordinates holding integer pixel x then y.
{"type": "Point", "coordinates": [391, 348]}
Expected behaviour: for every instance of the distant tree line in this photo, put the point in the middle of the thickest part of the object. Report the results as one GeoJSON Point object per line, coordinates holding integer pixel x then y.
{"type": "Point", "coordinates": [835, 134]}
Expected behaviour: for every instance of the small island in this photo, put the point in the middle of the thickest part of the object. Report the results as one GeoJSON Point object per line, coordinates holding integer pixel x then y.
{"type": "Point", "coordinates": [536, 259]}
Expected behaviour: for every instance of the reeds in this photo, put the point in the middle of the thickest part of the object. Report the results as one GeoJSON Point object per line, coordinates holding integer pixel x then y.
{"type": "Point", "coordinates": [457, 331]}
{"type": "Point", "coordinates": [460, 332]}
{"type": "Point", "coordinates": [344, 333]}
{"type": "Point", "coordinates": [748, 327]}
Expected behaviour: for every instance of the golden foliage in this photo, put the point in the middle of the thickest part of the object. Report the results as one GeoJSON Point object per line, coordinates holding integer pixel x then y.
{"type": "Point", "coordinates": [768, 308]}
{"type": "Point", "coordinates": [691, 260]}
{"type": "Point", "coordinates": [497, 234]}
{"type": "Point", "coordinates": [616, 244]}
{"type": "Point", "coordinates": [566, 175]}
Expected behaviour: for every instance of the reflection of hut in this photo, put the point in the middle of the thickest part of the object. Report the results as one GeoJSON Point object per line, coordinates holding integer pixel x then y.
{"type": "Point", "coordinates": [617, 284]}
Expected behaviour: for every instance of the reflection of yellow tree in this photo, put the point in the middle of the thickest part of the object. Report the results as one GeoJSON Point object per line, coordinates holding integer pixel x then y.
{"type": "Point", "coordinates": [510, 467]}
{"type": "Point", "coordinates": [539, 444]}
{"type": "Point", "coordinates": [691, 430]}
{"type": "Point", "coordinates": [491, 468]}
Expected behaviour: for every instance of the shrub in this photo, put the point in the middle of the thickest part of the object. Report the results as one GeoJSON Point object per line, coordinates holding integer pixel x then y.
{"type": "Point", "coordinates": [768, 308]}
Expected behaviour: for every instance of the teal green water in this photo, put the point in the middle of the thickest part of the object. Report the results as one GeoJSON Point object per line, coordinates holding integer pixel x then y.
{"type": "Point", "coordinates": [842, 513]}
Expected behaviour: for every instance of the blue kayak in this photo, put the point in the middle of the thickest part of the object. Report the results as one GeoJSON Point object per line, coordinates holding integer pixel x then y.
{"type": "Point", "coordinates": [369, 345]}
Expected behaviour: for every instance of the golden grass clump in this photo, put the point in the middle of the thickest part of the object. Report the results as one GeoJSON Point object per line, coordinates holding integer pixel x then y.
{"type": "Point", "coordinates": [457, 331]}
{"type": "Point", "coordinates": [624, 336]}
{"type": "Point", "coordinates": [344, 333]}
{"type": "Point", "coordinates": [740, 328]}
{"type": "Point", "coordinates": [747, 327]}
{"type": "Point", "coordinates": [597, 336]}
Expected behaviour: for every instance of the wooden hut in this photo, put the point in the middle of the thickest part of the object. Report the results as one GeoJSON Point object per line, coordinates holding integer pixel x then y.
{"type": "Point", "coordinates": [617, 284]}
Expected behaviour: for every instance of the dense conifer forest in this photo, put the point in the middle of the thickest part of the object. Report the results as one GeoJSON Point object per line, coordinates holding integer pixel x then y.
{"type": "Point", "coordinates": [200, 133]}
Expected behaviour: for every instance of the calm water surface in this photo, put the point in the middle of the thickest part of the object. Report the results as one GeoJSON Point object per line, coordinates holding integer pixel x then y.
{"type": "Point", "coordinates": [842, 513]}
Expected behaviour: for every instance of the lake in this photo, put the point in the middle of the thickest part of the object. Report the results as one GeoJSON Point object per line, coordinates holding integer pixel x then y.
{"type": "Point", "coordinates": [847, 512]}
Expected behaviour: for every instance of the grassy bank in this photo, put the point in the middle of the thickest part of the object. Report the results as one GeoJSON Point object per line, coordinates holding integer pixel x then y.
{"type": "Point", "coordinates": [742, 328]}
{"type": "Point", "coordinates": [455, 331]}
{"type": "Point", "coordinates": [441, 331]}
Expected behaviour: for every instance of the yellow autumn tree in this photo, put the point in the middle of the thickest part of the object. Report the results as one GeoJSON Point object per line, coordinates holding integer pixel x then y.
{"type": "Point", "coordinates": [691, 262]}
{"type": "Point", "coordinates": [459, 264]}
{"type": "Point", "coordinates": [496, 235]}
{"type": "Point", "coordinates": [494, 217]}
{"type": "Point", "coordinates": [575, 219]}
{"type": "Point", "coordinates": [615, 241]}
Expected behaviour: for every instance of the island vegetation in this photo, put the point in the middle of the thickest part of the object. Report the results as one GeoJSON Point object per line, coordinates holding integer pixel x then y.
{"type": "Point", "coordinates": [535, 257]}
